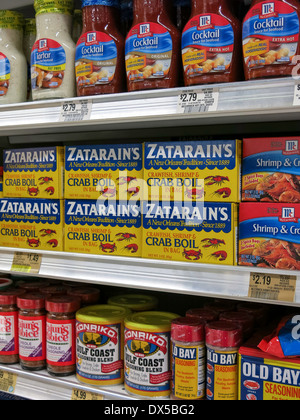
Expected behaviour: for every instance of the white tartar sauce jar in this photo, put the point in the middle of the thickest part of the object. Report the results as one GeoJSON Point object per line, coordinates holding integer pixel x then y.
{"type": "Point", "coordinates": [53, 54]}
{"type": "Point", "coordinates": [13, 66]}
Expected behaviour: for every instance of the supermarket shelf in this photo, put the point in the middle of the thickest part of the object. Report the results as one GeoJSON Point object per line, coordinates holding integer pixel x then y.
{"type": "Point", "coordinates": [241, 102]}
{"type": "Point", "coordinates": [42, 386]}
{"type": "Point", "coordinates": [165, 276]}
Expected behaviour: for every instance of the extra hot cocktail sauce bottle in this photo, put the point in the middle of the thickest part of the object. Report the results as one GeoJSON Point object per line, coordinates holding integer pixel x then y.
{"type": "Point", "coordinates": [211, 44]}
{"type": "Point", "coordinates": [99, 61]}
{"type": "Point", "coordinates": [152, 48]}
{"type": "Point", "coordinates": [271, 38]}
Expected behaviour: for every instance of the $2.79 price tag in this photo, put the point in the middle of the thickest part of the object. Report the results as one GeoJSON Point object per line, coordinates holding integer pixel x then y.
{"type": "Point", "coordinates": [76, 110]}
{"type": "Point", "coordinates": [272, 287]}
{"type": "Point", "coordinates": [198, 100]}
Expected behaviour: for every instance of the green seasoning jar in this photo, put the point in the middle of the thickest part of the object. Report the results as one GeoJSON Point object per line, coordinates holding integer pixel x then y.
{"type": "Point", "coordinates": [99, 344]}
{"type": "Point", "coordinates": [148, 353]}
{"type": "Point", "coordinates": [135, 302]}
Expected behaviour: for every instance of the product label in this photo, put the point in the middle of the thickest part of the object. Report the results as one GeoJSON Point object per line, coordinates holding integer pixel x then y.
{"type": "Point", "coordinates": [270, 34]}
{"type": "Point", "coordinates": [4, 74]}
{"type": "Point", "coordinates": [32, 338]}
{"type": "Point", "coordinates": [61, 342]}
{"type": "Point", "coordinates": [99, 352]}
{"type": "Point", "coordinates": [222, 375]}
{"type": "Point", "coordinates": [96, 59]}
{"type": "Point", "coordinates": [147, 362]}
{"type": "Point", "coordinates": [48, 64]}
{"type": "Point", "coordinates": [207, 45]}
{"type": "Point", "coordinates": [188, 373]}
{"type": "Point", "coordinates": [148, 52]}
{"type": "Point", "coordinates": [9, 333]}
{"type": "Point", "coordinates": [267, 379]}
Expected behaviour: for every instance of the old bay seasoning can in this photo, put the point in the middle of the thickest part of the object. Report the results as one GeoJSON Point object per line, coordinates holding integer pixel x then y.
{"type": "Point", "coordinates": [99, 344]}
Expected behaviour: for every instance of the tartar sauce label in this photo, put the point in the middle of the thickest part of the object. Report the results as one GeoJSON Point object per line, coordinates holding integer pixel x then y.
{"type": "Point", "coordinates": [147, 362]}
{"type": "Point", "coordinates": [96, 59]}
{"type": "Point", "coordinates": [207, 45]}
{"type": "Point", "coordinates": [148, 52]}
{"type": "Point", "coordinates": [270, 34]}
{"type": "Point", "coordinates": [4, 74]}
{"type": "Point", "coordinates": [48, 64]}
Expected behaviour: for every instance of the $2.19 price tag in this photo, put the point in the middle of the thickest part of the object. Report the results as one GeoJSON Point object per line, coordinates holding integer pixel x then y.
{"type": "Point", "coordinates": [272, 287]}
{"type": "Point", "coordinates": [26, 262]}
{"type": "Point", "coordinates": [76, 110]}
{"type": "Point", "coordinates": [198, 100]}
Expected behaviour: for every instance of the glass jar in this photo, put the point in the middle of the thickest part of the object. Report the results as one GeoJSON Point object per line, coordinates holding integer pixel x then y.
{"type": "Point", "coordinates": [9, 337]}
{"type": "Point", "coordinates": [87, 295]}
{"type": "Point", "coordinates": [32, 331]}
{"type": "Point", "coordinates": [13, 65]}
{"type": "Point", "coordinates": [211, 44]}
{"type": "Point", "coordinates": [61, 335]}
{"type": "Point", "coordinates": [152, 48]}
{"type": "Point", "coordinates": [100, 50]}
{"type": "Point", "coordinates": [53, 54]}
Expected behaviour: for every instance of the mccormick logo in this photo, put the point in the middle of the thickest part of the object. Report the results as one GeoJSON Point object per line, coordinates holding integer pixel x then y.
{"type": "Point", "coordinates": [291, 147]}
{"type": "Point", "coordinates": [91, 38]}
{"type": "Point", "coordinates": [288, 215]}
{"type": "Point", "coordinates": [43, 45]}
{"type": "Point", "coordinates": [205, 23]}
{"type": "Point", "coordinates": [144, 30]}
{"type": "Point", "coordinates": [268, 10]}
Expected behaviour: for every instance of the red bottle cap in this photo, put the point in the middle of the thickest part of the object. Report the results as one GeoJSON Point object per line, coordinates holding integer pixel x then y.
{"type": "Point", "coordinates": [31, 301]}
{"type": "Point", "coordinates": [259, 312]}
{"type": "Point", "coordinates": [54, 290]}
{"type": "Point", "coordinates": [9, 297]}
{"type": "Point", "coordinates": [87, 295]}
{"type": "Point", "coordinates": [220, 306]}
{"type": "Point", "coordinates": [187, 329]}
{"type": "Point", "coordinates": [205, 315]}
{"type": "Point", "coordinates": [63, 304]}
{"type": "Point", "coordinates": [33, 286]}
{"type": "Point", "coordinates": [243, 319]}
{"type": "Point", "coordinates": [223, 334]}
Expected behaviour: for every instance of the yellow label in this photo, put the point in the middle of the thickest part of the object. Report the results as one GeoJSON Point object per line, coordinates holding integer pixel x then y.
{"type": "Point", "coordinates": [26, 263]}
{"type": "Point", "coordinates": [193, 57]}
{"type": "Point", "coordinates": [189, 371]}
{"type": "Point", "coordinates": [135, 63]}
{"type": "Point", "coordinates": [252, 49]}
{"type": "Point", "coordinates": [8, 381]}
{"type": "Point", "coordinates": [84, 69]}
{"type": "Point", "coordinates": [83, 395]}
{"type": "Point", "coordinates": [222, 375]}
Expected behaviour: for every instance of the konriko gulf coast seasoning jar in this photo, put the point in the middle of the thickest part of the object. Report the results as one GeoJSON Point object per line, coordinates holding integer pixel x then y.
{"type": "Point", "coordinates": [32, 331]}
{"type": "Point", "coordinates": [188, 359]}
{"type": "Point", "coordinates": [223, 339]}
{"type": "Point", "coordinates": [9, 336]}
{"type": "Point", "coordinates": [61, 334]}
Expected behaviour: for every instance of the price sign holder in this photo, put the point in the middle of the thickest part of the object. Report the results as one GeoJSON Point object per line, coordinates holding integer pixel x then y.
{"type": "Point", "coordinates": [272, 287]}
{"type": "Point", "coordinates": [8, 381]}
{"type": "Point", "coordinates": [82, 395]}
{"type": "Point", "coordinates": [27, 262]}
{"type": "Point", "coordinates": [76, 110]}
{"type": "Point", "coordinates": [197, 101]}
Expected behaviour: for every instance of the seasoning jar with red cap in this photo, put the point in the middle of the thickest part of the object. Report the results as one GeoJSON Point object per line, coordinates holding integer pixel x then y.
{"type": "Point", "coordinates": [223, 339]}
{"type": "Point", "coordinates": [61, 334]}
{"type": "Point", "coordinates": [32, 331]}
{"type": "Point", "coordinates": [188, 358]}
{"type": "Point", "coordinates": [243, 319]}
{"type": "Point", "coordinates": [203, 314]}
{"type": "Point", "coordinates": [9, 337]}
{"type": "Point", "coordinates": [34, 286]}
{"type": "Point", "coordinates": [87, 295]}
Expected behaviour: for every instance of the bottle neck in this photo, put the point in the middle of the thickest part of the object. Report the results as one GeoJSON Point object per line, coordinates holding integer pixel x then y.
{"type": "Point", "coordinates": [53, 24]}
{"type": "Point", "coordinates": [98, 17]}
{"type": "Point", "coordinates": [148, 10]}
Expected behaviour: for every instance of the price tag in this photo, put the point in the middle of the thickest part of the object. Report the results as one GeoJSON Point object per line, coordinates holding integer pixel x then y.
{"type": "Point", "coordinates": [296, 101]}
{"type": "Point", "coordinates": [197, 101]}
{"type": "Point", "coordinates": [76, 110]}
{"type": "Point", "coordinates": [272, 287]}
{"type": "Point", "coordinates": [27, 262]}
{"type": "Point", "coordinates": [8, 381]}
{"type": "Point", "coordinates": [82, 395]}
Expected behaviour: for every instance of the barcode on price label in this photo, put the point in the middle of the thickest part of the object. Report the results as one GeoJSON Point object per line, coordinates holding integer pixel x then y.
{"type": "Point", "coordinates": [198, 101]}
{"type": "Point", "coordinates": [77, 110]}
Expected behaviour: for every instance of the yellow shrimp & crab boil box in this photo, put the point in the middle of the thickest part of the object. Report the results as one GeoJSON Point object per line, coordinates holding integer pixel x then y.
{"type": "Point", "coordinates": [103, 227]}
{"type": "Point", "coordinates": [193, 170]}
{"type": "Point", "coordinates": [190, 232]}
{"type": "Point", "coordinates": [33, 172]}
{"type": "Point", "coordinates": [32, 223]}
{"type": "Point", "coordinates": [106, 171]}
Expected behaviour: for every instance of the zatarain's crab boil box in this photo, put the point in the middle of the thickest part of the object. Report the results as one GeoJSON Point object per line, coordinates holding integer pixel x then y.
{"type": "Point", "coordinates": [194, 170]}
{"type": "Point", "coordinates": [198, 232]}
{"type": "Point", "coordinates": [103, 228]}
{"type": "Point", "coordinates": [32, 224]}
{"type": "Point", "coordinates": [269, 235]}
{"type": "Point", "coordinates": [104, 171]}
{"type": "Point", "coordinates": [36, 172]}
